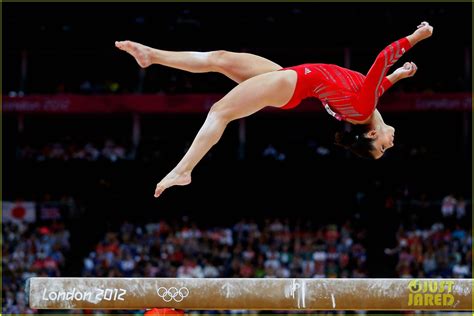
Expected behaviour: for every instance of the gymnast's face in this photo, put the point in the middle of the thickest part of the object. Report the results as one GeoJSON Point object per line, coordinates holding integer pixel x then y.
{"type": "Point", "coordinates": [383, 139]}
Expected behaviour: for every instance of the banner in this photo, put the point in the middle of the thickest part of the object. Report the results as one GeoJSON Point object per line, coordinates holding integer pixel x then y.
{"type": "Point", "coordinates": [196, 103]}
{"type": "Point", "coordinates": [18, 212]}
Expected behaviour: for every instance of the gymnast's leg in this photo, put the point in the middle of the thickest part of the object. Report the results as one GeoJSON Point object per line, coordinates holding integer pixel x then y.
{"type": "Point", "coordinates": [269, 89]}
{"type": "Point", "coordinates": [237, 66]}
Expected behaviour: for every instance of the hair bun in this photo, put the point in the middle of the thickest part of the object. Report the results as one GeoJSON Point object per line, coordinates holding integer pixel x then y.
{"type": "Point", "coordinates": [356, 141]}
{"type": "Point", "coordinates": [345, 139]}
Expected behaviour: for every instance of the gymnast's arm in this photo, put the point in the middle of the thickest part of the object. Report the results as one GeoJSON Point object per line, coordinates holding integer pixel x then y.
{"type": "Point", "coordinates": [407, 70]}
{"type": "Point", "coordinates": [376, 82]}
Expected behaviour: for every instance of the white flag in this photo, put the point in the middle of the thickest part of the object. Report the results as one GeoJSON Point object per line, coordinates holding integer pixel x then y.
{"type": "Point", "coordinates": [18, 212]}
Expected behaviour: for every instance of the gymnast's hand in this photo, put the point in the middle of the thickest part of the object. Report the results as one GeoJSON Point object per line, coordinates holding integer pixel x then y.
{"type": "Point", "coordinates": [407, 70]}
{"type": "Point", "coordinates": [424, 30]}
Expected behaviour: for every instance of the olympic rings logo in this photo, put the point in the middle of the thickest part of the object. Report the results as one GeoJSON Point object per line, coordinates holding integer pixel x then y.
{"type": "Point", "coordinates": [173, 293]}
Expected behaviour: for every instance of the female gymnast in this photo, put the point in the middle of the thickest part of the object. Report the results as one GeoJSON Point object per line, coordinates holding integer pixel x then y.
{"type": "Point", "coordinates": [346, 95]}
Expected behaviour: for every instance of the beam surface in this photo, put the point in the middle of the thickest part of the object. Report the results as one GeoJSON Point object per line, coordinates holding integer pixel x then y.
{"type": "Point", "coordinates": [250, 293]}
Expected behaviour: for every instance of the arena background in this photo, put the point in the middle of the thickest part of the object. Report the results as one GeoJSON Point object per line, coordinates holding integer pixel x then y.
{"type": "Point", "coordinates": [84, 145]}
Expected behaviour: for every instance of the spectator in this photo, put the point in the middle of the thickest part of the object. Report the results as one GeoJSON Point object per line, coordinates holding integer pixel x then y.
{"type": "Point", "coordinates": [448, 205]}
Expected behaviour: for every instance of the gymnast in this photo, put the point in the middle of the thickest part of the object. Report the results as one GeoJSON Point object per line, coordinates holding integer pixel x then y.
{"type": "Point", "coordinates": [346, 95]}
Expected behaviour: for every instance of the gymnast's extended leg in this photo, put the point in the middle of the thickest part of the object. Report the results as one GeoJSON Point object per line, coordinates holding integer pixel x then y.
{"type": "Point", "coordinates": [269, 89]}
{"type": "Point", "coordinates": [237, 66]}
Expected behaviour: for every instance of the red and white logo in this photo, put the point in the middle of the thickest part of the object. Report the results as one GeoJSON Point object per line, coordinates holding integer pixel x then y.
{"type": "Point", "coordinates": [18, 211]}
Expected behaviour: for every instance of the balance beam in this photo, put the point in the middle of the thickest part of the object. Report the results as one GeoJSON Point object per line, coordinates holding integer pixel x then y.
{"type": "Point", "coordinates": [250, 294]}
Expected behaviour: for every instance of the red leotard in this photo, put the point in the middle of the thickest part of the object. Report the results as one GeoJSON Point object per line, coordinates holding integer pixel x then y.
{"type": "Point", "coordinates": [347, 94]}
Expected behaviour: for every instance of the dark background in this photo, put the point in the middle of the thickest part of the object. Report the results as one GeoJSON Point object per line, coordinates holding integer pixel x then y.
{"type": "Point", "coordinates": [71, 42]}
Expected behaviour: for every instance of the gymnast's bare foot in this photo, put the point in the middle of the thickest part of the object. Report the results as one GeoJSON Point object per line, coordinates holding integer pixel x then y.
{"type": "Point", "coordinates": [141, 52]}
{"type": "Point", "coordinates": [173, 178]}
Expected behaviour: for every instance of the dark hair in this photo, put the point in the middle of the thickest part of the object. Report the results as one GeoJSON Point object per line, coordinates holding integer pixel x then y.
{"type": "Point", "coordinates": [356, 141]}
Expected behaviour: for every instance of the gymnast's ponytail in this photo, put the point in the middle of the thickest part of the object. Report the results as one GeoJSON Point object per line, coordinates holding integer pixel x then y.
{"type": "Point", "coordinates": [356, 141]}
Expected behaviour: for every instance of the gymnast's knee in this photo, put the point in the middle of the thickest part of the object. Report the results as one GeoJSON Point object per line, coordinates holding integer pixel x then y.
{"type": "Point", "coordinates": [219, 114]}
{"type": "Point", "coordinates": [219, 60]}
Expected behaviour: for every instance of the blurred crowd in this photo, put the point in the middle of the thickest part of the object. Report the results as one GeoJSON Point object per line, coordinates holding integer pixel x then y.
{"type": "Point", "coordinates": [434, 239]}
{"type": "Point", "coordinates": [274, 248]}
{"type": "Point", "coordinates": [68, 149]}
{"type": "Point", "coordinates": [72, 149]}
{"type": "Point", "coordinates": [251, 247]}
{"type": "Point", "coordinates": [436, 252]}
{"type": "Point", "coordinates": [30, 251]}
